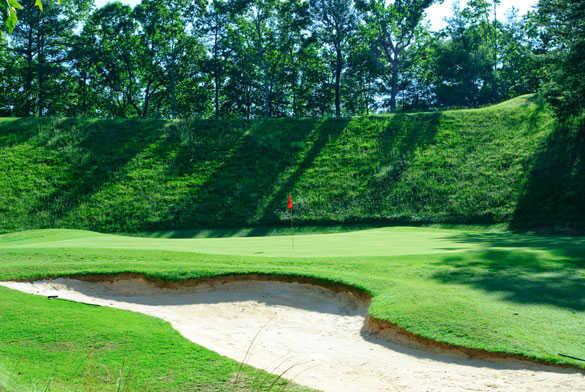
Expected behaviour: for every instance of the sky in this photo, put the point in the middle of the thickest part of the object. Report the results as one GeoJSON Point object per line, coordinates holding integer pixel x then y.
{"type": "Point", "coordinates": [436, 14]}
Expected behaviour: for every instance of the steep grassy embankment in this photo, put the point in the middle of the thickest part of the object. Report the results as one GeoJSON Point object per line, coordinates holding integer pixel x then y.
{"type": "Point", "coordinates": [123, 175]}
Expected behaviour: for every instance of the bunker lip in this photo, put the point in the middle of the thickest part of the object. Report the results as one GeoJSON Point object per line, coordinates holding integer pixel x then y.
{"type": "Point", "coordinates": [373, 329]}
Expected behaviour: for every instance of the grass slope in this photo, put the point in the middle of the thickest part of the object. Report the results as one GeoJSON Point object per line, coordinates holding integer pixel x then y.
{"type": "Point", "coordinates": [487, 289]}
{"type": "Point", "coordinates": [127, 176]}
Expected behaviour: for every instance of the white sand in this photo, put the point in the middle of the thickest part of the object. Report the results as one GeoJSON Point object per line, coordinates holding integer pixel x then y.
{"type": "Point", "coordinates": [312, 330]}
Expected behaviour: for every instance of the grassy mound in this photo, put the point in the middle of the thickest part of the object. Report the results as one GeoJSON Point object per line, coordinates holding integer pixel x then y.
{"type": "Point", "coordinates": [124, 175]}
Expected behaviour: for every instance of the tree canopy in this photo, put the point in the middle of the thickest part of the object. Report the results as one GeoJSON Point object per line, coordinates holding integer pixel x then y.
{"type": "Point", "coordinates": [264, 58]}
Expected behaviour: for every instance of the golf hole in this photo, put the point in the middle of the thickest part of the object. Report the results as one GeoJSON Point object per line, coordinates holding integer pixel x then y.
{"type": "Point", "coordinates": [315, 335]}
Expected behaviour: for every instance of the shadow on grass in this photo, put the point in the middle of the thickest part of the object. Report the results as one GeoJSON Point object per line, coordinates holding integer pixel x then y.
{"type": "Point", "coordinates": [257, 231]}
{"type": "Point", "coordinates": [527, 276]}
{"type": "Point", "coordinates": [555, 192]}
{"type": "Point", "coordinates": [96, 151]}
{"type": "Point", "coordinates": [572, 247]}
{"type": "Point", "coordinates": [17, 131]}
{"type": "Point", "coordinates": [254, 174]}
{"type": "Point", "coordinates": [401, 138]}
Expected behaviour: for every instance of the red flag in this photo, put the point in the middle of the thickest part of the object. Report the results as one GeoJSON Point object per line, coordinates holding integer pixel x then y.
{"type": "Point", "coordinates": [290, 202]}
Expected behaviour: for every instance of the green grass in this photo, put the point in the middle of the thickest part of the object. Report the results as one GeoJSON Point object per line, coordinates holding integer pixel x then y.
{"type": "Point", "coordinates": [479, 288]}
{"type": "Point", "coordinates": [65, 346]}
{"type": "Point", "coordinates": [462, 166]}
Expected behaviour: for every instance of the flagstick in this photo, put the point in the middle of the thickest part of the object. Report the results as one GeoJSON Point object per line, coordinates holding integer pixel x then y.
{"type": "Point", "coordinates": [292, 231]}
{"type": "Point", "coordinates": [289, 206]}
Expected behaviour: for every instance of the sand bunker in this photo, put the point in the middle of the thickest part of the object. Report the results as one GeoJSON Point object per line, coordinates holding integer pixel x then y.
{"type": "Point", "coordinates": [315, 332]}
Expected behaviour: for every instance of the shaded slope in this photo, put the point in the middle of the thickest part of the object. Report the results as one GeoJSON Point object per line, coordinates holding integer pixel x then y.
{"type": "Point", "coordinates": [555, 192]}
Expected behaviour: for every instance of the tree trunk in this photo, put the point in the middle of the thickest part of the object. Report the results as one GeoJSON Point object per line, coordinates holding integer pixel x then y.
{"type": "Point", "coordinates": [217, 72]}
{"type": "Point", "coordinates": [262, 60]}
{"type": "Point", "coordinates": [172, 77]}
{"type": "Point", "coordinates": [266, 90]}
{"type": "Point", "coordinates": [293, 88]}
{"type": "Point", "coordinates": [394, 84]}
{"type": "Point", "coordinates": [147, 93]}
{"type": "Point", "coordinates": [83, 87]}
{"type": "Point", "coordinates": [217, 84]}
{"type": "Point", "coordinates": [495, 49]}
{"type": "Point", "coordinates": [41, 69]}
{"type": "Point", "coordinates": [29, 72]}
{"type": "Point", "coordinates": [338, 66]}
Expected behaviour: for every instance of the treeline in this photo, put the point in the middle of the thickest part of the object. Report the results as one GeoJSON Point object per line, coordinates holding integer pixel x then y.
{"type": "Point", "coordinates": [251, 58]}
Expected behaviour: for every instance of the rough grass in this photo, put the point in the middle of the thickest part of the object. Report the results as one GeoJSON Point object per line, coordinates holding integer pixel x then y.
{"type": "Point", "coordinates": [127, 176]}
{"type": "Point", "coordinates": [479, 288]}
{"type": "Point", "coordinates": [65, 346]}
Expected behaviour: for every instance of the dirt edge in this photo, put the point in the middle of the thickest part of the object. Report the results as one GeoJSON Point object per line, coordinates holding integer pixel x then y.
{"type": "Point", "coordinates": [379, 329]}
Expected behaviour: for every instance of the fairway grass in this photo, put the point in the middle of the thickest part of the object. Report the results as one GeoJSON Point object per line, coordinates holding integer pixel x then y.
{"type": "Point", "coordinates": [487, 289]}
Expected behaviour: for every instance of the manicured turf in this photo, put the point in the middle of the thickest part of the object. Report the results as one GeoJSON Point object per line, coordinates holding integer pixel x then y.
{"type": "Point", "coordinates": [479, 288]}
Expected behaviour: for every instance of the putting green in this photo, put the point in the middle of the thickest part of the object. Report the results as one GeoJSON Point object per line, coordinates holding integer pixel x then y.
{"type": "Point", "coordinates": [480, 288]}
{"type": "Point", "coordinates": [392, 241]}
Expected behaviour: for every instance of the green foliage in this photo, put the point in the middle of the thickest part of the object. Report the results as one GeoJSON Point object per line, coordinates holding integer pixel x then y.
{"type": "Point", "coordinates": [11, 8]}
{"type": "Point", "coordinates": [480, 60]}
{"type": "Point", "coordinates": [259, 58]}
{"type": "Point", "coordinates": [394, 27]}
{"type": "Point", "coordinates": [563, 32]}
{"type": "Point", "coordinates": [120, 175]}
{"type": "Point", "coordinates": [38, 51]}
{"type": "Point", "coordinates": [335, 22]}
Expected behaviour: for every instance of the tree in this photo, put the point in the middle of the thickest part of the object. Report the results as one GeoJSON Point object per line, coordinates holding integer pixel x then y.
{"type": "Point", "coordinates": [8, 75]}
{"type": "Point", "coordinates": [418, 74]}
{"type": "Point", "coordinates": [250, 58]}
{"type": "Point", "coordinates": [214, 24]}
{"type": "Point", "coordinates": [41, 43]}
{"type": "Point", "coordinates": [394, 27]}
{"type": "Point", "coordinates": [244, 77]}
{"type": "Point", "coordinates": [480, 61]}
{"type": "Point", "coordinates": [292, 20]}
{"type": "Point", "coordinates": [260, 14]}
{"type": "Point", "coordinates": [335, 21]}
{"type": "Point", "coordinates": [563, 22]}
{"type": "Point", "coordinates": [364, 71]}
{"type": "Point", "coordinates": [109, 46]}
{"type": "Point", "coordinates": [164, 35]}
{"type": "Point", "coordinates": [312, 91]}
{"type": "Point", "coordinates": [464, 59]}
{"type": "Point", "coordinates": [518, 71]}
